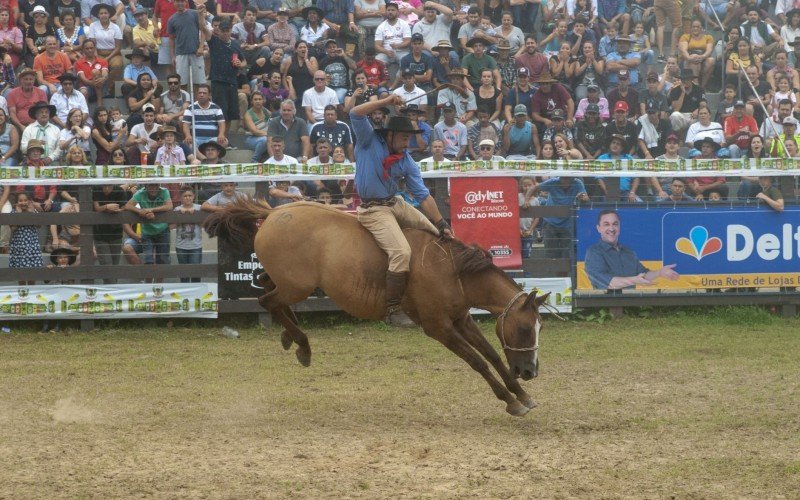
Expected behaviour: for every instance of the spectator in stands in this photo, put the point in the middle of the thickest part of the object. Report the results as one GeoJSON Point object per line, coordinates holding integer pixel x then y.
{"type": "Point", "coordinates": [250, 35]}
{"type": "Point", "coordinates": [653, 97]}
{"type": "Point", "coordinates": [24, 248]}
{"type": "Point", "coordinates": [531, 59]}
{"type": "Point", "coordinates": [337, 132]}
{"type": "Point", "coordinates": [685, 100]}
{"type": "Point", "coordinates": [67, 99]}
{"type": "Point", "coordinates": [170, 153]}
{"type": "Point", "coordinates": [419, 62]}
{"type": "Point", "coordinates": [188, 236]}
{"type": "Point", "coordinates": [256, 121]}
{"type": "Point", "coordinates": [513, 36]}
{"type": "Point", "coordinates": [314, 31]}
{"type": "Point", "coordinates": [230, 10]}
{"type": "Point", "coordinates": [473, 29]}
{"type": "Point", "coordinates": [703, 128]}
{"type": "Point", "coordinates": [760, 34]}
{"type": "Point", "coordinates": [741, 59]}
{"type": "Point", "coordinates": [561, 65]}
{"type": "Point", "coordinates": [418, 143]}
{"type": "Point", "coordinates": [549, 97]}
{"type": "Point", "coordinates": [593, 97]}
{"type": "Point", "coordinates": [590, 133]}
{"type": "Point", "coordinates": [377, 74]}
{"type": "Point", "coordinates": [557, 231]}
{"type": "Point", "coordinates": [460, 97]}
{"type": "Point", "coordinates": [9, 142]}
{"type": "Point", "coordinates": [174, 101]}
{"type": "Point", "coordinates": [109, 199]}
{"type": "Point", "coordinates": [337, 65]}
{"type": "Point", "coordinates": [452, 132]}
{"type": "Point", "coordinates": [653, 131]}
{"type": "Point", "coordinates": [773, 128]}
{"type": "Point", "coordinates": [483, 129]}
{"type": "Point", "coordinates": [770, 194]}
{"type": "Point", "coordinates": [225, 197]}
{"type": "Point", "coordinates": [340, 17]}
{"type": "Point", "coordinates": [378, 117]}
{"type": "Point", "coordinates": [409, 90]}
{"type": "Point", "coordinates": [557, 126]}
{"type": "Point", "coordinates": [445, 60]}
{"type": "Point", "coordinates": [11, 39]}
{"type": "Point", "coordinates": [43, 130]}
{"type": "Point", "coordinates": [437, 153]}
{"type": "Point", "coordinates": [145, 36]}
{"type": "Point", "coordinates": [92, 72]}
{"type": "Point", "coordinates": [281, 193]}
{"type": "Point", "coordinates": [102, 138]}
{"type": "Point", "coordinates": [20, 99]}
{"type": "Point", "coordinates": [748, 187]}
{"type": "Point", "coordinates": [695, 49]}
{"type": "Point", "coordinates": [519, 94]}
{"type": "Point", "coordinates": [209, 122]}
{"type": "Point", "coordinates": [622, 59]}
{"type": "Point", "coordinates": [475, 62]}
{"type": "Point", "coordinates": [318, 97]}
{"type": "Point", "coordinates": [49, 65]}
{"type": "Point", "coordinates": [702, 186]}
{"type": "Point", "coordinates": [738, 130]}
{"type": "Point", "coordinates": [361, 92]}
{"type": "Point", "coordinates": [435, 24]}
{"type": "Point", "coordinates": [677, 192]}
{"type": "Point", "coordinates": [624, 92]}
{"type": "Point", "coordinates": [139, 139]}
{"type": "Point", "coordinates": [489, 96]}
{"type": "Point", "coordinates": [184, 28]}
{"type": "Point", "coordinates": [136, 68]}
{"type": "Point", "coordinates": [622, 127]}
{"type": "Point", "coordinates": [392, 38]}
{"type": "Point", "coordinates": [323, 149]}
{"type": "Point", "coordinates": [563, 148]}
{"type": "Point", "coordinates": [108, 40]}
{"type": "Point", "coordinates": [144, 93]}
{"type": "Point", "coordinates": [281, 35]}
{"type": "Point", "coordinates": [227, 59]}
{"type": "Point", "coordinates": [292, 129]}
{"type": "Point", "coordinates": [520, 136]}
{"type": "Point", "coordinates": [154, 241]}
{"type": "Point", "coordinates": [762, 95]}
{"type": "Point", "coordinates": [608, 43]}
{"type": "Point", "coordinates": [617, 150]}
{"type": "Point", "coordinates": [486, 152]}
{"type": "Point", "coordinates": [75, 132]}
{"type": "Point", "coordinates": [36, 34]}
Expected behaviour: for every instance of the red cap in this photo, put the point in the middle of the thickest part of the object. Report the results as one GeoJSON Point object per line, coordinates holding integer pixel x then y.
{"type": "Point", "coordinates": [621, 106]}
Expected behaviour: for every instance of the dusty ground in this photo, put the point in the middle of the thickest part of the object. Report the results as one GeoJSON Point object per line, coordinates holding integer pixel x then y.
{"type": "Point", "coordinates": [688, 407]}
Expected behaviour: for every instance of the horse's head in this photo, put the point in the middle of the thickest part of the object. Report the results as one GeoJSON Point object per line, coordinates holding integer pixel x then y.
{"type": "Point", "coordinates": [518, 329]}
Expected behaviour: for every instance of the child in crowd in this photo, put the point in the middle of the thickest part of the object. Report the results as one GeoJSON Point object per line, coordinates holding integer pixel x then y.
{"type": "Point", "coordinates": [170, 153]}
{"type": "Point", "coordinates": [725, 106]}
{"type": "Point", "coordinates": [784, 92]}
{"type": "Point", "coordinates": [60, 257]}
{"type": "Point", "coordinates": [33, 156]}
{"type": "Point", "coordinates": [189, 236]}
{"type": "Point", "coordinates": [117, 122]}
{"type": "Point", "coordinates": [640, 42]}
{"type": "Point", "coordinates": [24, 246]}
{"type": "Point", "coordinates": [219, 201]}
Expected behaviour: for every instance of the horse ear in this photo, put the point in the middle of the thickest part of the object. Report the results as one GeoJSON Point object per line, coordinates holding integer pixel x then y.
{"type": "Point", "coordinates": [531, 300]}
{"type": "Point", "coordinates": [541, 300]}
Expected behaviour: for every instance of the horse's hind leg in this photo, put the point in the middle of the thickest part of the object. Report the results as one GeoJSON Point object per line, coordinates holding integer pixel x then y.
{"type": "Point", "coordinates": [452, 339]}
{"type": "Point", "coordinates": [287, 318]}
{"type": "Point", "coordinates": [472, 334]}
{"type": "Point", "coordinates": [265, 300]}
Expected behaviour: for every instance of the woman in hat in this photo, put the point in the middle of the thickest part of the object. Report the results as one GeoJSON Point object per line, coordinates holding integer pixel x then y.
{"type": "Point", "coordinates": [107, 37]}
{"type": "Point", "coordinates": [315, 31]}
{"type": "Point", "coordinates": [37, 33]}
{"type": "Point", "coordinates": [102, 136]}
{"type": "Point", "coordinates": [11, 38]}
{"type": "Point", "coordinates": [9, 141]}
{"type": "Point", "coordinates": [70, 35]}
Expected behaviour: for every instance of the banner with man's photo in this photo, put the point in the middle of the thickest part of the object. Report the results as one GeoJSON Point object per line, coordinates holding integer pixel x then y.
{"type": "Point", "coordinates": [138, 300]}
{"type": "Point", "coordinates": [687, 247]}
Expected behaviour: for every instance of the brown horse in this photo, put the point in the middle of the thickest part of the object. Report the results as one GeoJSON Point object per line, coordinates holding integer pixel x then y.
{"type": "Point", "coordinates": [303, 246]}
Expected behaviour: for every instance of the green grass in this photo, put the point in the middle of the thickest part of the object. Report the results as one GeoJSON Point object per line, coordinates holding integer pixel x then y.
{"type": "Point", "coordinates": [677, 403]}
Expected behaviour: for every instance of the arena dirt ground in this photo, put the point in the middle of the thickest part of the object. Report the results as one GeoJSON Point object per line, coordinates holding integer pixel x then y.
{"type": "Point", "coordinates": [687, 407]}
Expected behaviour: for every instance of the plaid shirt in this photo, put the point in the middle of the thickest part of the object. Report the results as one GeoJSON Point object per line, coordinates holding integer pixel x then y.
{"type": "Point", "coordinates": [508, 72]}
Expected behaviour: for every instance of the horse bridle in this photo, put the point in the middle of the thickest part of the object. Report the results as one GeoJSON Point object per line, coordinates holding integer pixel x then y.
{"type": "Point", "coordinates": [502, 319]}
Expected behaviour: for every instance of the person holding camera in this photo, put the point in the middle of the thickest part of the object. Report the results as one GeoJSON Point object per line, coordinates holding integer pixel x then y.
{"type": "Point", "coordinates": [227, 60]}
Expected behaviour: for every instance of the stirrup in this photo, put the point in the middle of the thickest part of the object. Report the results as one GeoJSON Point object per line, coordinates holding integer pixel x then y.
{"type": "Point", "coordinates": [397, 318]}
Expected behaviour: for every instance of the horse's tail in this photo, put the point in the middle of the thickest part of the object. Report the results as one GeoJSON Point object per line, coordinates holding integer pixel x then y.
{"type": "Point", "coordinates": [236, 223]}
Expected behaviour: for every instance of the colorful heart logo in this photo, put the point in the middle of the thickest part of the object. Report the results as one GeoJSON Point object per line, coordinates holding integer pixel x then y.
{"type": "Point", "coordinates": [698, 244]}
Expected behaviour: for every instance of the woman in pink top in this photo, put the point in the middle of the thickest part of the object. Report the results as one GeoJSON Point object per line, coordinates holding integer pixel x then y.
{"type": "Point", "coordinates": [10, 36]}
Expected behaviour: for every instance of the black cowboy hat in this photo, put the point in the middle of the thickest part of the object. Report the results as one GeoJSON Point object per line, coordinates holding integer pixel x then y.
{"type": "Point", "coordinates": [385, 110]}
{"type": "Point", "coordinates": [308, 9]}
{"type": "Point", "coordinates": [68, 76]}
{"type": "Point", "coordinates": [706, 140]}
{"type": "Point", "coordinates": [96, 9]}
{"type": "Point", "coordinates": [212, 144]}
{"type": "Point", "coordinates": [477, 39]}
{"type": "Point", "coordinates": [63, 251]}
{"type": "Point", "coordinates": [137, 52]}
{"type": "Point", "coordinates": [399, 124]}
{"type": "Point", "coordinates": [41, 105]}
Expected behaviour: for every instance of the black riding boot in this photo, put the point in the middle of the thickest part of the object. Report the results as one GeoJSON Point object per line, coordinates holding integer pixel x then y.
{"type": "Point", "coordinates": [395, 287]}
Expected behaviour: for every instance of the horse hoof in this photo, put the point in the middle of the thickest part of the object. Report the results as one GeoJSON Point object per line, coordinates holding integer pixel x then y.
{"type": "Point", "coordinates": [303, 356]}
{"type": "Point", "coordinates": [286, 340]}
{"type": "Point", "coordinates": [517, 409]}
{"type": "Point", "coordinates": [527, 402]}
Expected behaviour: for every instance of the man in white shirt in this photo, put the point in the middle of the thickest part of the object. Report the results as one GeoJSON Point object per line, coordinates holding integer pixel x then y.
{"type": "Point", "coordinates": [435, 24]}
{"type": "Point", "coordinates": [140, 134]}
{"type": "Point", "coordinates": [42, 129]}
{"type": "Point", "coordinates": [392, 38]}
{"type": "Point", "coordinates": [67, 99]}
{"type": "Point", "coordinates": [280, 192]}
{"type": "Point", "coordinates": [437, 150]}
{"type": "Point", "coordinates": [409, 91]}
{"type": "Point", "coordinates": [317, 97]}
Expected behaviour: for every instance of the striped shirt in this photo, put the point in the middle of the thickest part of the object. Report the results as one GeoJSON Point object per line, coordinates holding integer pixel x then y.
{"type": "Point", "coordinates": [206, 120]}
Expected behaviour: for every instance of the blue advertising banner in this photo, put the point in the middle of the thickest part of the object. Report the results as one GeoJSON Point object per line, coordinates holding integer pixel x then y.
{"type": "Point", "coordinates": [713, 247]}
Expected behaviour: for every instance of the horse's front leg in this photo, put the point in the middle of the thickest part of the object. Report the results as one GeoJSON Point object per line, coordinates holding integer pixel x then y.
{"type": "Point", "coordinates": [473, 335]}
{"type": "Point", "coordinates": [452, 339]}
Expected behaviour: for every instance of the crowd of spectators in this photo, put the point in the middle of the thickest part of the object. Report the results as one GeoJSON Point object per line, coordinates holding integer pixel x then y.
{"type": "Point", "coordinates": [564, 79]}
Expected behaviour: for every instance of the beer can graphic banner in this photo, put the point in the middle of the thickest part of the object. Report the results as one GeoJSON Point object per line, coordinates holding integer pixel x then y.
{"type": "Point", "coordinates": [190, 300]}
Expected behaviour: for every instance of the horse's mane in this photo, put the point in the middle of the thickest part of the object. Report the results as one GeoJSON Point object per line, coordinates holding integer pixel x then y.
{"type": "Point", "coordinates": [470, 259]}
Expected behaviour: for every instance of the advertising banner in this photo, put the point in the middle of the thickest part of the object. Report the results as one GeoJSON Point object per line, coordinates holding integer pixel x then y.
{"type": "Point", "coordinates": [715, 247]}
{"type": "Point", "coordinates": [137, 300]}
{"type": "Point", "coordinates": [237, 273]}
{"type": "Point", "coordinates": [486, 211]}
{"type": "Point", "coordinates": [560, 299]}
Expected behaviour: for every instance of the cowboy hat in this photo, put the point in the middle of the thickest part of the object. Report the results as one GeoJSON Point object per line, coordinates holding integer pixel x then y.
{"type": "Point", "coordinates": [97, 8]}
{"type": "Point", "coordinates": [546, 77]}
{"type": "Point", "coordinates": [399, 124]}
{"type": "Point", "coordinates": [158, 134]}
{"type": "Point", "coordinates": [314, 8]}
{"type": "Point", "coordinates": [137, 52]}
{"type": "Point", "coordinates": [443, 44]}
{"type": "Point", "coordinates": [212, 144]}
{"type": "Point", "coordinates": [503, 43]}
{"type": "Point", "coordinates": [62, 251]}
{"type": "Point", "coordinates": [35, 144]}
{"type": "Point", "coordinates": [477, 39]}
{"type": "Point", "coordinates": [41, 105]}
{"type": "Point", "coordinates": [706, 140]}
{"type": "Point", "coordinates": [456, 72]}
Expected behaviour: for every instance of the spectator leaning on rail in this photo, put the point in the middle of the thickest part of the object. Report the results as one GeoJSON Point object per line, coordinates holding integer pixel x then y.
{"type": "Point", "coordinates": [384, 159]}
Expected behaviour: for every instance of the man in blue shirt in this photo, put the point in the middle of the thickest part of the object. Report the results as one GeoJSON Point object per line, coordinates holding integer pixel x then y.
{"type": "Point", "coordinates": [383, 163]}
{"type": "Point", "coordinates": [558, 232]}
{"type": "Point", "coordinates": [612, 266]}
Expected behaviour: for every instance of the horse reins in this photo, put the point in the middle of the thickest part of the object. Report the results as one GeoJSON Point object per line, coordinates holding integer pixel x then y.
{"type": "Point", "coordinates": [502, 319]}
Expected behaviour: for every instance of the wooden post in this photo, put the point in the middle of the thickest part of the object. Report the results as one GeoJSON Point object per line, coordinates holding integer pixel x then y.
{"type": "Point", "coordinates": [86, 243]}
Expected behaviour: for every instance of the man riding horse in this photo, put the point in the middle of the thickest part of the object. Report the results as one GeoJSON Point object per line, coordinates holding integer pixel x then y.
{"type": "Point", "coordinates": [383, 163]}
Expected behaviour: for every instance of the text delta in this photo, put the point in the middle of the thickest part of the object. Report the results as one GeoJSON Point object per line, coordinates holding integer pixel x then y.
{"type": "Point", "coordinates": [741, 243]}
